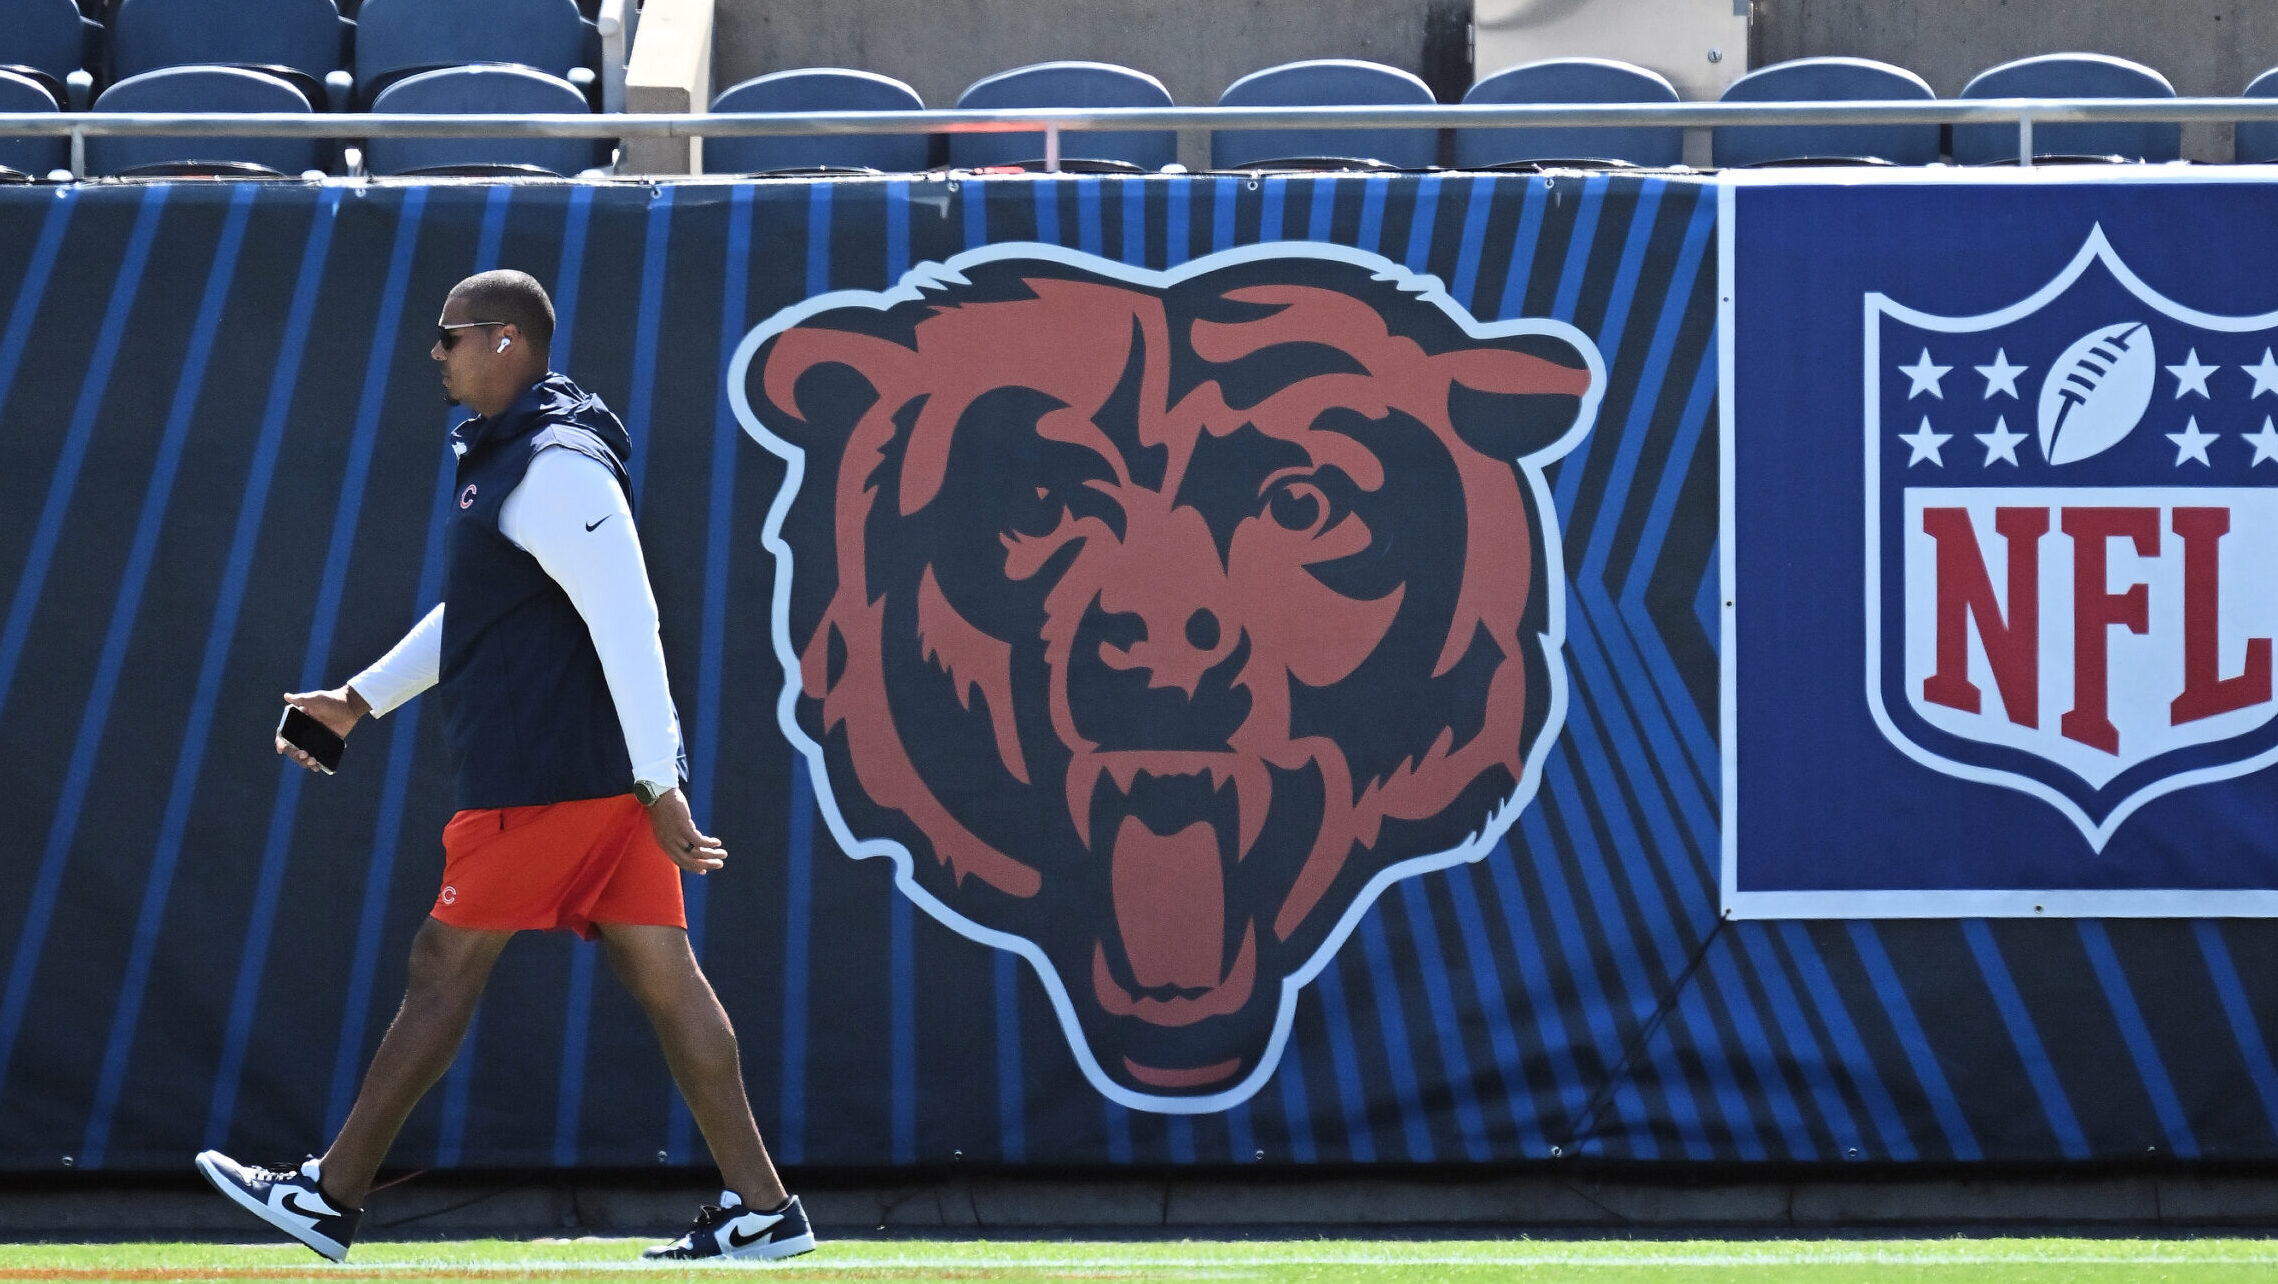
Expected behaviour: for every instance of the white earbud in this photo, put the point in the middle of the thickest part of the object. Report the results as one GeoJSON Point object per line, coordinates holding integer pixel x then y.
{"type": "Point", "coordinates": [504, 342]}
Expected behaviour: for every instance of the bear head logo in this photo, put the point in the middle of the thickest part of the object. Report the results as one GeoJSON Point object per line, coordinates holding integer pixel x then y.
{"type": "Point", "coordinates": [1154, 622]}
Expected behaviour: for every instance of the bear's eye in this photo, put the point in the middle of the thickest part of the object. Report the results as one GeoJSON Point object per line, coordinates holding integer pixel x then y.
{"type": "Point", "coordinates": [1297, 504]}
{"type": "Point", "coordinates": [1032, 512]}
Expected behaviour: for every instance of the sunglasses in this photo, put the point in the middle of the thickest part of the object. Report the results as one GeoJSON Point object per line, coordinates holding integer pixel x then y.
{"type": "Point", "coordinates": [447, 337]}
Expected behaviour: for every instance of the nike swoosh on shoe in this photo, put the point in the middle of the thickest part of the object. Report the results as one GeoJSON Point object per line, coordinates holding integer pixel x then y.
{"type": "Point", "coordinates": [736, 1237]}
{"type": "Point", "coordinates": [291, 1203]}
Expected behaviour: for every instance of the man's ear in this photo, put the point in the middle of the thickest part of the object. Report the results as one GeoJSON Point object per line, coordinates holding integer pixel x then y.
{"type": "Point", "coordinates": [508, 336]}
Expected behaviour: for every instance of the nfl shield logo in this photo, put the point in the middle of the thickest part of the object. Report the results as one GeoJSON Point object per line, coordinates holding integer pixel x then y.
{"type": "Point", "coordinates": [2072, 507]}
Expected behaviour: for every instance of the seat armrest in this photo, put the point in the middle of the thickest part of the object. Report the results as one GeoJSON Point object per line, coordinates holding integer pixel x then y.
{"type": "Point", "coordinates": [587, 84]}
{"type": "Point", "coordinates": [339, 90]}
{"type": "Point", "coordinates": [79, 88]}
{"type": "Point", "coordinates": [618, 22]}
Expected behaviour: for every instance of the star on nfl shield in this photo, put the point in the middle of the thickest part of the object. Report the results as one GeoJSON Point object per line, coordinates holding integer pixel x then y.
{"type": "Point", "coordinates": [2065, 600]}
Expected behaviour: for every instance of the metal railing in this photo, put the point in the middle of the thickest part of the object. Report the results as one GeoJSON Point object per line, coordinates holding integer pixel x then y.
{"type": "Point", "coordinates": [2022, 113]}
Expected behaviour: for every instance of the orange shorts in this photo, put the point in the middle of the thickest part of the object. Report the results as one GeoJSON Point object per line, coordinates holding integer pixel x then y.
{"type": "Point", "coordinates": [561, 865]}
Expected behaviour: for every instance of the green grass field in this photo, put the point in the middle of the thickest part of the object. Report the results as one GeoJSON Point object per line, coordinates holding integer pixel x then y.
{"type": "Point", "coordinates": [1366, 1262]}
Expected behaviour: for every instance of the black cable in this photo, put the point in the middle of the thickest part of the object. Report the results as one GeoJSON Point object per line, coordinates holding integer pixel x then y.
{"type": "Point", "coordinates": [1586, 1124]}
{"type": "Point", "coordinates": [451, 1208]}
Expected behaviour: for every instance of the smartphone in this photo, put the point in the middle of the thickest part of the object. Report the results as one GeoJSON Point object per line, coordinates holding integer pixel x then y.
{"type": "Point", "coordinates": [311, 737]}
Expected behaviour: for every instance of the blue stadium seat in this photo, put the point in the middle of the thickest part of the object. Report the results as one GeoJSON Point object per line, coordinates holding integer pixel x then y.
{"type": "Point", "coordinates": [1572, 80]}
{"type": "Point", "coordinates": [309, 37]}
{"type": "Point", "coordinates": [204, 89]}
{"type": "Point", "coordinates": [1823, 80]}
{"type": "Point", "coordinates": [56, 94]}
{"type": "Point", "coordinates": [2256, 142]}
{"type": "Point", "coordinates": [2070, 75]}
{"type": "Point", "coordinates": [398, 38]}
{"type": "Point", "coordinates": [50, 37]}
{"type": "Point", "coordinates": [505, 90]}
{"type": "Point", "coordinates": [819, 89]}
{"type": "Point", "coordinates": [1326, 82]}
{"type": "Point", "coordinates": [1066, 84]}
{"type": "Point", "coordinates": [30, 157]}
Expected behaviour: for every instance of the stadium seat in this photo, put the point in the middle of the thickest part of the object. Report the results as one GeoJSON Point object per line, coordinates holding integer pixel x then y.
{"type": "Point", "coordinates": [2070, 75]}
{"type": "Point", "coordinates": [309, 37]}
{"type": "Point", "coordinates": [1066, 84]}
{"type": "Point", "coordinates": [26, 156]}
{"type": "Point", "coordinates": [399, 38]}
{"type": "Point", "coordinates": [204, 89]}
{"type": "Point", "coordinates": [1824, 80]}
{"type": "Point", "coordinates": [501, 89]}
{"type": "Point", "coordinates": [818, 89]}
{"type": "Point", "coordinates": [50, 37]}
{"type": "Point", "coordinates": [2256, 142]}
{"type": "Point", "coordinates": [1571, 80]}
{"type": "Point", "coordinates": [1325, 82]}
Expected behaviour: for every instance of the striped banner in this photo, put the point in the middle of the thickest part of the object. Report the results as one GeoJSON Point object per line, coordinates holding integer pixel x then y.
{"type": "Point", "coordinates": [230, 482]}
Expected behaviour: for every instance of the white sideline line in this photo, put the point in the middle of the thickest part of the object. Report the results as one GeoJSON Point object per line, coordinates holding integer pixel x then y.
{"type": "Point", "coordinates": [1140, 1265]}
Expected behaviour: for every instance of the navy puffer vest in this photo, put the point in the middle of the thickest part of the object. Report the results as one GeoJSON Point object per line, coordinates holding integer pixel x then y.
{"type": "Point", "coordinates": [526, 709]}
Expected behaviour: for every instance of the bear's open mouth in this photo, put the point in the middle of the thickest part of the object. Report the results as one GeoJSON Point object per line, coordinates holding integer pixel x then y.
{"type": "Point", "coordinates": [1167, 790]}
{"type": "Point", "coordinates": [1172, 833]}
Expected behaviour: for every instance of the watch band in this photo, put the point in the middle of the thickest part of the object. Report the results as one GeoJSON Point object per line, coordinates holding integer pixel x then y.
{"type": "Point", "coordinates": [648, 791]}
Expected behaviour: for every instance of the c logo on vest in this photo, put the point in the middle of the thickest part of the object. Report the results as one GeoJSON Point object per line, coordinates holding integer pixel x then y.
{"type": "Point", "coordinates": [467, 496]}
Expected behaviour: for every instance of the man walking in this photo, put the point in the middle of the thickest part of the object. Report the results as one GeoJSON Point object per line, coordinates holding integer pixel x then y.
{"type": "Point", "coordinates": [566, 764]}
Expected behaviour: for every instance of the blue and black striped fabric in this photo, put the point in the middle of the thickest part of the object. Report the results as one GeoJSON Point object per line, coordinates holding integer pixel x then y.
{"type": "Point", "coordinates": [226, 479]}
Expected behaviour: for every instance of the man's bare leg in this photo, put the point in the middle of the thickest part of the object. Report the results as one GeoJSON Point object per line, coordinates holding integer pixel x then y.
{"type": "Point", "coordinates": [449, 967]}
{"type": "Point", "coordinates": [658, 969]}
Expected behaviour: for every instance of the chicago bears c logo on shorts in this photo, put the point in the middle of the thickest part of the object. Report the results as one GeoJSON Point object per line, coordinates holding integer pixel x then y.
{"type": "Point", "coordinates": [467, 496]}
{"type": "Point", "coordinates": [1155, 622]}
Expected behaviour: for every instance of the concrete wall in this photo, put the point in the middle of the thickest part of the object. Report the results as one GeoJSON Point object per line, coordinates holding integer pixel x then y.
{"type": "Point", "coordinates": [671, 71]}
{"type": "Point", "coordinates": [2204, 47]}
{"type": "Point", "coordinates": [1195, 47]}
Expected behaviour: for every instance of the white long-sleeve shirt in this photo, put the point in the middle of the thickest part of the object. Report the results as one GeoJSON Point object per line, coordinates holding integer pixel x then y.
{"type": "Point", "coordinates": [569, 513]}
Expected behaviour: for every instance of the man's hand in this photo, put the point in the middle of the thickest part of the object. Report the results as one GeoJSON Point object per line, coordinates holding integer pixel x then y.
{"type": "Point", "coordinates": [677, 833]}
{"type": "Point", "coordinates": [338, 709]}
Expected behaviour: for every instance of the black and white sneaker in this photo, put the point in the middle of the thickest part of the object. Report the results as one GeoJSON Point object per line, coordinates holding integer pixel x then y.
{"type": "Point", "coordinates": [287, 1198]}
{"type": "Point", "coordinates": [732, 1228]}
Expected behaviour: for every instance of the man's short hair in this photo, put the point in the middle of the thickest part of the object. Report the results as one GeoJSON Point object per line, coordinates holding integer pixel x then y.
{"type": "Point", "coordinates": [507, 295]}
